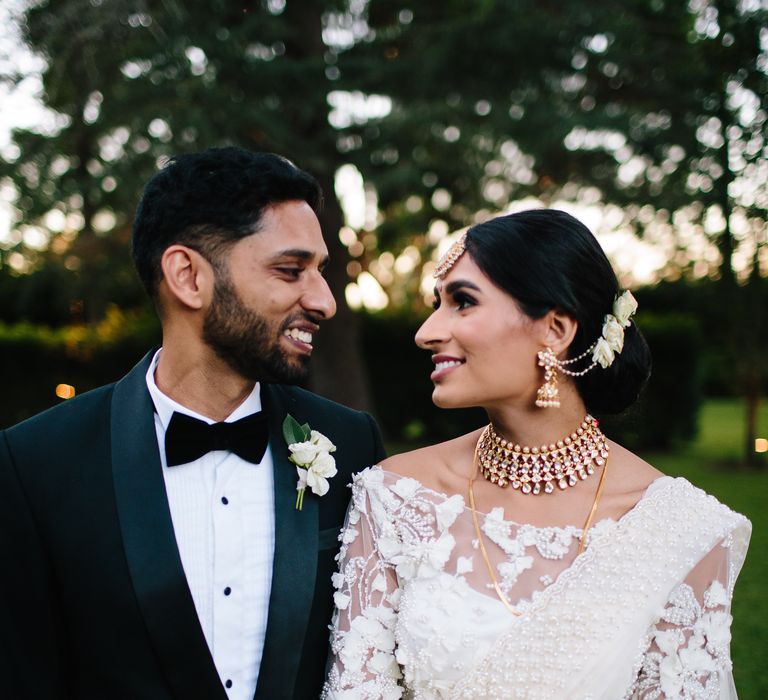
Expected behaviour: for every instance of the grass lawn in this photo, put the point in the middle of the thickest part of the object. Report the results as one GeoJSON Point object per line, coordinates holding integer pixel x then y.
{"type": "Point", "coordinates": [711, 462]}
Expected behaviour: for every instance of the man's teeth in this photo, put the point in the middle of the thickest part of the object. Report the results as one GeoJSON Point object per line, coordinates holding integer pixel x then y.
{"type": "Point", "coordinates": [446, 364]}
{"type": "Point", "coordinates": [301, 336]}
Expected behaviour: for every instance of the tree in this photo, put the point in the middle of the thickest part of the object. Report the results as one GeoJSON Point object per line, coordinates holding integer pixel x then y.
{"type": "Point", "coordinates": [449, 111]}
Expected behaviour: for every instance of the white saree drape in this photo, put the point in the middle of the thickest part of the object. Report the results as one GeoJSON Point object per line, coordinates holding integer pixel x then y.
{"type": "Point", "coordinates": [642, 614]}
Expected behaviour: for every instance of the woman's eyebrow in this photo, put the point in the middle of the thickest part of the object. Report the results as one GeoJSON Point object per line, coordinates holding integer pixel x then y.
{"type": "Point", "coordinates": [452, 287]}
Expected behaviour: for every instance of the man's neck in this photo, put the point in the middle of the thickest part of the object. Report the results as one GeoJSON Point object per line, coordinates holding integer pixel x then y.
{"type": "Point", "coordinates": [204, 384]}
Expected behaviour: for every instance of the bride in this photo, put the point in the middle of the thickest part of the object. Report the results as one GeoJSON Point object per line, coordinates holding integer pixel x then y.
{"type": "Point", "coordinates": [533, 558]}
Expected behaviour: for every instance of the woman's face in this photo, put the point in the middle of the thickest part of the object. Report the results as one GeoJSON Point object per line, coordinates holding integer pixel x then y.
{"type": "Point", "coordinates": [484, 347]}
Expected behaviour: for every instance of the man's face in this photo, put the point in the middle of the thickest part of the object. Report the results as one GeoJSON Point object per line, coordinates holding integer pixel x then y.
{"type": "Point", "coordinates": [270, 296]}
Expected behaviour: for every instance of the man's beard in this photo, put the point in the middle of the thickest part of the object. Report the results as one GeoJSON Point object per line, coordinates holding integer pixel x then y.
{"type": "Point", "coordinates": [247, 342]}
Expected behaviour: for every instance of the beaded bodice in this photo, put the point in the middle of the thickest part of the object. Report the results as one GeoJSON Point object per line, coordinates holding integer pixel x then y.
{"type": "Point", "coordinates": [418, 617]}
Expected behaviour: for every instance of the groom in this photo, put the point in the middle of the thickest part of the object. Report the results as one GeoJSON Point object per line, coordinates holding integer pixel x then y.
{"type": "Point", "coordinates": [146, 554]}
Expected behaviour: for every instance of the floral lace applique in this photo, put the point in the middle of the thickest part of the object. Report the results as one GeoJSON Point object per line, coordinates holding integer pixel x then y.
{"type": "Point", "coordinates": [689, 648]}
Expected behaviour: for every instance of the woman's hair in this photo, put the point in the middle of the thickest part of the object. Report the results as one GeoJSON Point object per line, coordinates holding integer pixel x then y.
{"type": "Point", "coordinates": [546, 259]}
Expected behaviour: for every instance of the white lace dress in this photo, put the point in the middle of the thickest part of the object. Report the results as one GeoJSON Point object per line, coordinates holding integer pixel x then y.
{"type": "Point", "coordinates": [643, 613]}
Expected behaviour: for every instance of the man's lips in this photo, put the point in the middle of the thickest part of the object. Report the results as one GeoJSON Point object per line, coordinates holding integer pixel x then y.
{"type": "Point", "coordinates": [300, 335]}
{"type": "Point", "coordinates": [444, 365]}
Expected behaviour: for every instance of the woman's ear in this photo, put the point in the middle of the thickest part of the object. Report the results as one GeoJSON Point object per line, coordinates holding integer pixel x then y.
{"type": "Point", "coordinates": [558, 330]}
{"type": "Point", "coordinates": [187, 276]}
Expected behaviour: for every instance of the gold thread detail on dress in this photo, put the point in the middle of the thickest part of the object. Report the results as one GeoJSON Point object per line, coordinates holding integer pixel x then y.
{"type": "Point", "coordinates": [536, 470]}
{"type": "Point", "coordinates": [479, 534]}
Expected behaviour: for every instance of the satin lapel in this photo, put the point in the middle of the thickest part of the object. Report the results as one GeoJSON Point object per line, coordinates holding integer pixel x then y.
{"type": "Point", "coordinates": [150, 544]}
{"type": "Point", "coordinates": [295, 561]}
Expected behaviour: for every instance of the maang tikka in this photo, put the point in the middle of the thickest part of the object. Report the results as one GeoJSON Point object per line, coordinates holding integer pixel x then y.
{"type": "Point", "coordinates": [448, 260]}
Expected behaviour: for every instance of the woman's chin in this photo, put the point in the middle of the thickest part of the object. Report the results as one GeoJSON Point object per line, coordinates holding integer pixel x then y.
{"type": "Point", "coordinates": [445, 399]}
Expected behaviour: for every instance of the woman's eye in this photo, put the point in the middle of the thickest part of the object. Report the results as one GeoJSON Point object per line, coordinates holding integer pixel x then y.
{"type": "Point", "coordinates": [463, 301]}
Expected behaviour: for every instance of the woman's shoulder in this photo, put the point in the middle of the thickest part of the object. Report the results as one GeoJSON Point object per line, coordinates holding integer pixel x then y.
{"type": "Point", "coordinates": [436, 465]}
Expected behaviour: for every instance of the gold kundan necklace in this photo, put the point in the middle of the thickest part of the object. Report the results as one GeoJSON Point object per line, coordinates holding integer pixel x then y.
{"type": "Point", "coordinates": [564, 463]}
{"type": "Point", "coordinates": [538, 469]}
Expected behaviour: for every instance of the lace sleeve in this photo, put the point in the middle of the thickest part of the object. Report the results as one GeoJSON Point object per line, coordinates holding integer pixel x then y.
{"type": "Point", "coordinates": [363, 640]}
{"type": "Point", "coordinates": [688, 657]}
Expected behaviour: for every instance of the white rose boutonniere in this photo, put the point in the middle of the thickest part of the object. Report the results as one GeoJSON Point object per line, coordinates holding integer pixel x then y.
{"type": "Point", "coordinates": [311, 453]}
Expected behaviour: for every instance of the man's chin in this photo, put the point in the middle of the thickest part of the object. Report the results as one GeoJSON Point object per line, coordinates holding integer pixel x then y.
{"type": "Point", "coordinates": [295, 371]}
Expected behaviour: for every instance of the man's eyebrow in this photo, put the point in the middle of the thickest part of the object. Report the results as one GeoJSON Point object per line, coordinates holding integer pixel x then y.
{"type": "Point", "coordinates": [454, 286]}
{"type": "Point", "coordinates": [301, 254]}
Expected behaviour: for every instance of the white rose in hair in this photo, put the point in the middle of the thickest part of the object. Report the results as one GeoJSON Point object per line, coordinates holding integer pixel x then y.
{"type": "Point", "coordinates": [603, 354]}
{"type": "Point", "coordinates": [624, 307]}
{"type": "Point", "coordinates": [613, 333]}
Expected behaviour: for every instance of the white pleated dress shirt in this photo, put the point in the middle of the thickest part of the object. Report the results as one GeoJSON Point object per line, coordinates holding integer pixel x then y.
{"type": "Point", "coordinates": [222, 509]}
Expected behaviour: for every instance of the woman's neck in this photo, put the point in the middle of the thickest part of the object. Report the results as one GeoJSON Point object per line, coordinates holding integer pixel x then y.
{"type": "Point", "coordinates": [531, 426]}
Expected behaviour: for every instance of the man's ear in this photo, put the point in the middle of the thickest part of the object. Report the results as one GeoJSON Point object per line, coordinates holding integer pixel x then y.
{"type": "Point", "coordinates": [187, 276]}
{"type": "Point", "coordinates": [558, 330]}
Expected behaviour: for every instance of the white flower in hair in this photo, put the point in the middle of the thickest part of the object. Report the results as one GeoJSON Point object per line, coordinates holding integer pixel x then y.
{"type": "Point", "coordinates": [624, 307]}
{"type": "Point", "coordinates": [613, 333]}
{"type": "Point", "coordinates": [603, 354]}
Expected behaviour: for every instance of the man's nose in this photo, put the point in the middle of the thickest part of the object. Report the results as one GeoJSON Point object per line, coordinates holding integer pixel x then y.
{"type": "Point", "coordinates": [318, 298]}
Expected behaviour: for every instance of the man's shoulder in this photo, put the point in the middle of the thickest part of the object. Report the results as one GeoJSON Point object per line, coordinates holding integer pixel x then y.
{"type": "Point", "coordinates": [294, 395]}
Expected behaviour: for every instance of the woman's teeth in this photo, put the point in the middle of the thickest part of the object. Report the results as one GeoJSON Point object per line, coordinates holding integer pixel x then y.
{"type": "Point", "coordinates": [301, 336]}
{"type": "Point", "coordinates": [446, 364]}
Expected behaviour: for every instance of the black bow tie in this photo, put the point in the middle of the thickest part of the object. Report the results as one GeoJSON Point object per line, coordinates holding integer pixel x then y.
{"type": "Point", "coordinates": [188, 439]}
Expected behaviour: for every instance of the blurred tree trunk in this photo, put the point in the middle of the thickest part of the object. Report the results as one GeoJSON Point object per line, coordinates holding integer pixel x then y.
{"type": "Point", "coordinates": [338, 369]}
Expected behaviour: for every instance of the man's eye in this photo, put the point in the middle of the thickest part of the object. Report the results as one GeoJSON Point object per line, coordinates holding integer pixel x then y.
{"type": "Point", "coordinates": [290, 271]}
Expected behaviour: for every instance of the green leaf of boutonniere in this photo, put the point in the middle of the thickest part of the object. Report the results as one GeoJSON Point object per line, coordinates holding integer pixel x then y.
{"type": "Point", "coordinates": [294, 432]}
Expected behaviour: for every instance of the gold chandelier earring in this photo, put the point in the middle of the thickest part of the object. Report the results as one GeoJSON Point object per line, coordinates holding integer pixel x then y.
{"type": "Point", "coordinates": [548, 396]}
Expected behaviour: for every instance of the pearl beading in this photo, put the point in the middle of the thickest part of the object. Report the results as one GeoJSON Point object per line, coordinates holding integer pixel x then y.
{"type": "Point", "coordinates": [413, 620]}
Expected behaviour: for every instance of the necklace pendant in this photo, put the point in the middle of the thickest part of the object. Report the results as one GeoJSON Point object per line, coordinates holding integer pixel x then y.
{"type": "Point", "coordinates": [526, 488]}
{"type": "Point", "coordinates": [536, 489]}
{"type": "Point", "coordinates": [548, 488]}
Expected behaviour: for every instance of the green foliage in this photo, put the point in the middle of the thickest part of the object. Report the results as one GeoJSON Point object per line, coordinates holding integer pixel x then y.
{"type": "Point", "coordinates": [667, 412]}
{"type": "Point", "coordinates": [36, 359]}
{"type": "Point", "coordinates": [293, 431]}
{"type": "Point", "coordinates": [716, 312]}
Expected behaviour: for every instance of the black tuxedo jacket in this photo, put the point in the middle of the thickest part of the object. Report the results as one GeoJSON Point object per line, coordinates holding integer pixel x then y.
{"type": "Point", "coordinates": [94, 604]}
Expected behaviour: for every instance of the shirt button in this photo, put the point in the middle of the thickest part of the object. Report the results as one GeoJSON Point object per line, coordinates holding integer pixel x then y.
{"type": "Point", "coordinates": [228, 684]}
{"type": "Point", "coordinates": [224, 500]}
{"type": "Point", "coordinates": [227, 590]}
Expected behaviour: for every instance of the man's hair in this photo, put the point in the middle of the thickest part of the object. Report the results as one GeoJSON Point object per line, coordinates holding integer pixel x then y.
{"type": "Point", "coordinates": [210, 200]}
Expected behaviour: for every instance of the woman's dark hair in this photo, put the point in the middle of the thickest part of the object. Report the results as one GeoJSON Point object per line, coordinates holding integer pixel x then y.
{"type": "Point", "coordinates": [546, 260]}
{"type": "Point", "coordinates": [210, 200]}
